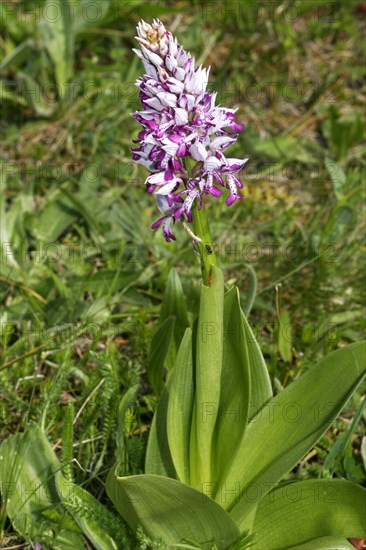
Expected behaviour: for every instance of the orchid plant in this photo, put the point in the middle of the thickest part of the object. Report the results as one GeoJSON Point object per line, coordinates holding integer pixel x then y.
{"type": "Point", "coordinates": [184, 137]}
{"type": "Point", "coordinates": [221, 442]}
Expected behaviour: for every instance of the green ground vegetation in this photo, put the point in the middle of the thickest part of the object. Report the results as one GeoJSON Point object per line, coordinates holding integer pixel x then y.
{"type": "Point", "coordinates": [82, 277]}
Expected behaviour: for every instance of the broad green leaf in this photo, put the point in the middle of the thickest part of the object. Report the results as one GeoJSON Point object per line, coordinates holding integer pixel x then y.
{"type": "Point", "coordinates": [354, 470]}
{"type": "Point", "coordinates": [333, 460]}
{"type": "Point", "coordinates": [235, 384]}
{"type": "Point", "coordinates": [174, 305]}
{"type": "Point", "coordinates": [284, 337]}
{"type": "Point", "coordinates": [325, 543]}
{"type": "Point", "coordinates": [158, 458]}
{"type": "Point", "coordinates": [171, 510]}
{"type": "Point", "coordinates": [337, 176]}
{"type": "Point", "coordinates": [86, 211]}
{"type": "Point", "coordinates": [127, 218]}
{"type": "Point", "coordinates": [296, 513]}
{"type": "Point", "coordinates": [251, 291]}
{"type": "Point", "coordinates": [55, 216]}
{"type": "Point", "coordinates": [209, 348]}
{"type": "Point", "coordinates": [8, 94]}
{"type": "Point", "coordinates": [18, 54]}
{"type": "Point", "coordinates": [284, 148]}
{"type": "Point", "coordinates": [134, 296]}
{"type": "Point", "coordinates": [290, 424]}
{"type": "Point", "coordinates": [92, 12]}
{"type": "Point", "coordinates": [180, 404]}
{"type": "Point", "coordinates": [57, 37]}
{"type": "Point", "coordinates": [159, 347]}
{"type": "Point", "coordinates": [260, 383]}
{"type": "Point", "coordinates": [89, 182]}
{"type": "Point", "coordinates": [363, 451]}
{"type": "Point", "coordinates": [34, 95]}
{"type": "Point", "coordinates": [6, 240]}
{"type": "Point", "coordinates": [339, 220]}
{"type": "Point", "coordinates": [91, 516]}
{"type": "Point", "coordinates": [96, 312]}
{"type": "Point", "coordinates": [102, 281]}
{"type": "Point", "coordinates": [342, 130]}
{"type": "Point", "coordinates": [27, 469]}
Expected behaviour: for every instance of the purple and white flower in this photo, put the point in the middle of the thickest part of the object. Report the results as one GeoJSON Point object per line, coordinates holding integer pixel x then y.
{"type": "Point", "coordinates": [181, 121]}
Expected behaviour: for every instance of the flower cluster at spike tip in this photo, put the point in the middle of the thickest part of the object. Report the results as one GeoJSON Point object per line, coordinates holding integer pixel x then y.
{"type": "Point", "coordinates": [180, 120]}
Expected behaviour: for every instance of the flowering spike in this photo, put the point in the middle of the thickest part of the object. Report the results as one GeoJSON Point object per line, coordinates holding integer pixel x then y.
{"type": "Point", "coordinates": [181, 121]}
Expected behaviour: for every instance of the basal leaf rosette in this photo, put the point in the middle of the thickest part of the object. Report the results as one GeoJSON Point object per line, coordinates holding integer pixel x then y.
{"type": "Point", "coordinates": [220, 433]}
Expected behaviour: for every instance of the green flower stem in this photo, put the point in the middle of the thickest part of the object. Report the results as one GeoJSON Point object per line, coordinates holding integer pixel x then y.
{"type": "Point", "coordinates": [201, 229]}
{"type": "Point", "coordinates": [205, 248]}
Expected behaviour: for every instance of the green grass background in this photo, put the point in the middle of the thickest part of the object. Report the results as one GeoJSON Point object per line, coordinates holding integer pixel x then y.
{"type": "Point", "coordinates": [82, 276]}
